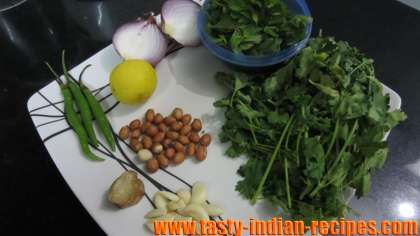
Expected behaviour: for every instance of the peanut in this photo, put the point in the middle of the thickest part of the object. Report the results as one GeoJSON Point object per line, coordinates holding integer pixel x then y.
{"type": "Point", "coordinates": [145, 126]}
{"type": "Point", "coordinates": [179, 147]}
{"type": "Point", "coordinates": [135, 133]}
{"type": "Point", "coordinates": [196, 125]}
{"type": "Point", "coordinates": [159, 137]}
{"type": "Point", "coordinates": [124, 133]}
{"type": "Point", "coordinates": [186, 129]}
{"type": "Point", "coordinates": [170, 153]}
{"type": "Point", "coordinates": [172, 135]}
{"type": "Point", "coordinates": [205, 139]}
{"type": "Point", "coordinates": [177, 126]}
{"type": "Point", "coordinates": [152, 165]}
{"type": "Point", "coordinates": [135, 124]}
{"type": "Point", "coordinates": [147, 142]}
{"type": "Point", "coordinates": [150, 115]}
{"type": "Point", "coordinates": [201, 153]}
{"type": "Point", "coordinates": [194, 137]}
{"type": "Point", "coordinates": [183, 139]}
{"type": "Point", "coordinates": [169, 120]}
{"type": "Point", "coordinates": [152, 131]}
{"type": "Point", "coordinates": [179, 158]}
{"type": "Point", "coordinates": [162, 127]}
{"type": "Point", "coordinates": [163, 161]}
{"type": "Point", "coordinates": [191, 149]}
{"type": "Point", "coordinates": [158, 118]}
{"type": "Point", "coordinates": [186, 119]}
{"type": "Point", "coordinates": [177, 113]}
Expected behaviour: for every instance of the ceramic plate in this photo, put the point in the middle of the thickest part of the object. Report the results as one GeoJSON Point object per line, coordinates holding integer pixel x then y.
{"type": "Point", "coordinates": [186, 81]}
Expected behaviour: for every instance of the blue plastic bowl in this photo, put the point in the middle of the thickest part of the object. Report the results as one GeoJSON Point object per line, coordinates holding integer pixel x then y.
{"type": "Point", "coordinates": [296, 6]}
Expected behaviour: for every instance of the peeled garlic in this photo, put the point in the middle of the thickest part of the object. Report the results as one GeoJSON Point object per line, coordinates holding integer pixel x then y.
{"type": "Point", "coordinates": [199, 193]}
{"type": "Point", "coordinates": [212, 209]}
{"type": "Point", "coordinates": [156, 213]}
{"type": "Point", "coordinates": [168, 195]}
{"type": "Point", "coordinates": [184, 194]}
{"type": "Point", "coordinates": [159, 201]}
{"type": "Point", "coordinates": [176, 205]}
{"type": "Point", "coordinates": [196, 211]}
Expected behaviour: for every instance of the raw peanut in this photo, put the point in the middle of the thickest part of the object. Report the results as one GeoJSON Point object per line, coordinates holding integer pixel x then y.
{"type": "Point", "coordinates": [170, 153]}
{"type": "Point", "coordinates": [194, 137]}
{"type": "Point", "coordinates": [172, 135]}
{"type": "Point", "coordinates": [147, 142]}
{"type": "Point", "coordinates": [205, 139]}
{"type": "Point", "coordinates": [163, 161]}
{"type": "Point", "coordinates": [134, 142]}
{"type": "Point", "coordinates": [177, 113]}
{"type": "Point", "coordinates": [162, 127]}
{"type": "Point", "coordinates": [135, 133]}
{"type": "Point", "coordinates": [177, 126]}
{"type": "Point", "coordinates": [212, 209]}
{"type": "Point", "coordinates": [179, 158]}
{"type": "Point", "coordinates": [179, 147]}
{"type": "Point", "coordinates": [150, 115]}
{"type": "Point", "coordinates": [145, 126]}
{"type": "Point", "coordinates": [169, 196]}
{"type": "Point", "coordinates": [135, 124]}
{"type": "Point", "coordinates": [155, 213]}
{"type": "Point", "coordinates": [186, 119]}
{"type": "Point", "coordinates": [184, 194]}
{"type": "Point", "coordinates": [159, 137]}
{"type": "Point", "coordinates": [167, 143]}
{"type": "Point", "coordinates": [201, 153]}
{"type": "Point", "coordinates": [196, 211]}
{"type": "Point", "coordinates": [196, 125]}
{"type": "Point", "coordinates": [185, 130]}
{"type": "Point", "coordinates": [152, 165]}
{"type": "Point", "coordinates": [138, 146]}
{"type": "Point", "coordinates": [158, 118]}
{"type": "Point", "coordinates": [183, 139]}
{"type": "Point", "coordinates": [191, 149]}
{"type": "Point", "coordinates": [169, 120]}
{"type": "Point", "coordinates": [157, 148]}
{"type": "Point", "coordinates": [124, 133]}
{"type": "Point", "coordinates": [152, 131]}
{"type": "Point", "coordinates": [144, 155]}
{"type": "Point", "coordinates": [199, 193]}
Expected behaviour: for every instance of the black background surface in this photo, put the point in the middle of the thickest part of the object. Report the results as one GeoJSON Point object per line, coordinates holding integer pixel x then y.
{"type": "Point", "coordinates": [35, 199]}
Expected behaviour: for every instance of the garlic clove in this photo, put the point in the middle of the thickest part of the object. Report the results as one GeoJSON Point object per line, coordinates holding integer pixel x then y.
{"type": "Point", "coordinates": [196, 211]}
{"type": "Point", "coordinates": [199, 193]}
{"type": "Point", "coordinates": [185, 195]}
{"type": "Point", "coordinates": [169, 196]}
{"type": "Point", "coordinates": [176, 205]}
{"type": "Point", "coordinates": [159, 201]}
{"type": "Point", "coordinates": [156, 213]}
{"type": "Point", "coordinates": [212, 209]}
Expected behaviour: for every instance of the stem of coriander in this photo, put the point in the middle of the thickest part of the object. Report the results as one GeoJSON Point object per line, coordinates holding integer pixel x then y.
{"type": "Point", "coordinates": [298, 147]}
{"type": "Point", "coordinates": [271, 162]}
{"type": "Point", "coordinates": [286, 174]}
{"type": "Point", "coordinates": [336, 161]}
{"type": "Point", "coordinates": [334, 136]}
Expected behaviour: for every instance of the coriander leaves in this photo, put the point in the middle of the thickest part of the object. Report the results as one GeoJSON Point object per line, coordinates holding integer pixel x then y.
{"type": "Point", "coordinates": [254, 27]}
{"type": "Point", "coordinates": [309, 130]}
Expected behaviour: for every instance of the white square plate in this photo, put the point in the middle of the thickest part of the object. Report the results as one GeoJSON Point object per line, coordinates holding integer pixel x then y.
{"type": "Point", "coordinates": [185, 79]}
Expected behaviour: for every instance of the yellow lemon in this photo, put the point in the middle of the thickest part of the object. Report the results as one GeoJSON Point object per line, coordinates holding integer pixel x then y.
{"type": "Point", "coordinates": [133, 81]}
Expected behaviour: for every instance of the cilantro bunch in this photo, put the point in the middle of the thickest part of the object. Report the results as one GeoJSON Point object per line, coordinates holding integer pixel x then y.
{"type": "Point", "coordinates": [310, 130]}
{"type": "Point", "coordinates": [254, 27]}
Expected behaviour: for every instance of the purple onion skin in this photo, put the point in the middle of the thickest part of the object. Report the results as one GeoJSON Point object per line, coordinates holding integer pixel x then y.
{"type": "Point", "coordinates": [157, 48]}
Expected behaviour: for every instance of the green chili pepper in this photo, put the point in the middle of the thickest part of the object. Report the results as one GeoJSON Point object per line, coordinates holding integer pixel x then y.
{"type": "Point", "coordinates": [98, 112]}
{"type": "Point", "coordinates": [81, 103]}
{"type": "Point", "coordinates": [74, 120]}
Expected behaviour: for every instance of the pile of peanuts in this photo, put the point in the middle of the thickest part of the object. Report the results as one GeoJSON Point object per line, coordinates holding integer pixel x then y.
{"type": "Point", "coordinates": [160, 140]}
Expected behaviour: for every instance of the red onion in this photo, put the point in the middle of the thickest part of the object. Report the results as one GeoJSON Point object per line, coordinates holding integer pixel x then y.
{"type": "Point", "coordinates": [141, 39]}
{"type": "Point", "coordinates": [179, 20]}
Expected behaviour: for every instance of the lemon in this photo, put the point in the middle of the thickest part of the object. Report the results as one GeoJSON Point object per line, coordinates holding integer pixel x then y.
{"type": "Point", "coordinates": [133, 81]}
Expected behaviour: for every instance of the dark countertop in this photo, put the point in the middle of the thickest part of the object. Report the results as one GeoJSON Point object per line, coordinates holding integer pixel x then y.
{"type": "Point", "coordinates": [35, 197]}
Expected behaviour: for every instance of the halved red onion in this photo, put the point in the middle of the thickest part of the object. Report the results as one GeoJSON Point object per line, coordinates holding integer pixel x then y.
{"type": "Point", "coordinates": [141, 39]}
{"type": "Point", "coordinates": [179, 20]}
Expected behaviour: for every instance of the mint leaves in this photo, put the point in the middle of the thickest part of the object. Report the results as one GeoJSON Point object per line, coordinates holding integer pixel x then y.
{"type": "Point", "coordinates": [254, 27]}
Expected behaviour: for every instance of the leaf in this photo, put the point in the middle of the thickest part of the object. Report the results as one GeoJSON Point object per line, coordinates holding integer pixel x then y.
{"type": "Point", "coordinates": [314, 159]}
{"type": "Point", "coordinates": [326, 90]}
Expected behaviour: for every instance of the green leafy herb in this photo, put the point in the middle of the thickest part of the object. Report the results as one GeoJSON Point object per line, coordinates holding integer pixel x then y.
{"type": "Point", "coordinates": [310, 130]}
{"type": "Point", "coordinates": [254, 27]}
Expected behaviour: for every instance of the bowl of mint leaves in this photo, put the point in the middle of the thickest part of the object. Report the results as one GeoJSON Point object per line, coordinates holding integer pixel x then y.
{"type": "Point", "coordinates": [254, 34]}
